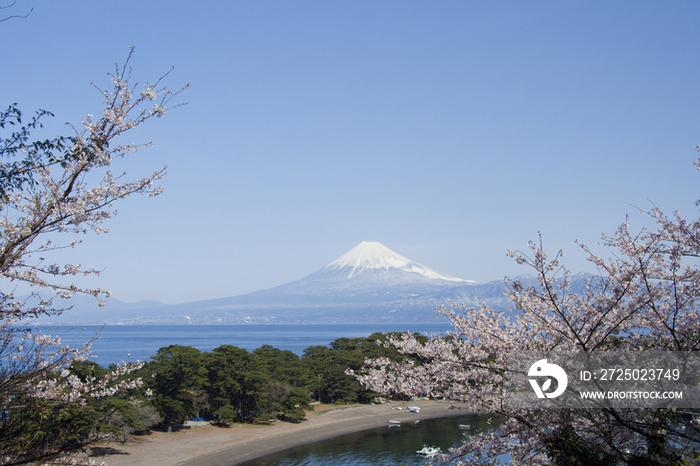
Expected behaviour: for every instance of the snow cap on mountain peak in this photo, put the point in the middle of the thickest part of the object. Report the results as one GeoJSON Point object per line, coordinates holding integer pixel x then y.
{"type": "Point", "coordinates": [371, 255]}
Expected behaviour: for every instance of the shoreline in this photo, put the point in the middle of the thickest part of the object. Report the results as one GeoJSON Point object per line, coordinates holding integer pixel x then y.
{"type": "Point", "coordinates": [215, 446]}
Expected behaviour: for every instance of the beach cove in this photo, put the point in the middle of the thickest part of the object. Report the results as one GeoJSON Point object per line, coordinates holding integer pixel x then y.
{"type": "Point", "coordinates": [207, 445]}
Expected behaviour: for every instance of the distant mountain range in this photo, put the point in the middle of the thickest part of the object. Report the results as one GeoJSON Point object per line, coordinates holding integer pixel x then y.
{"type": "Point", "coordinates": [370, 283]}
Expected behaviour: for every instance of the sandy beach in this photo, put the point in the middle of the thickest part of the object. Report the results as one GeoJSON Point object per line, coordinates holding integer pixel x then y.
{"type": "Point", "coordinates": [207, 445]}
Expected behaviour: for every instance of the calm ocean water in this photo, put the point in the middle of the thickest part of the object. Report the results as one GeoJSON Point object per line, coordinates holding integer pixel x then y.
{"type": "Point", "coordinates": [383, 446]}
{"type": "Point", "coordinates": [116, 342]}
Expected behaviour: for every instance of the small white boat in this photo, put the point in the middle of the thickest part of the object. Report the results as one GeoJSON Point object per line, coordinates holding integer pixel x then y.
{"type": "Point", "coordinates": [414, 409]}
{"type": "Point", "coordinates": [465, 426]}
{"type": "Point", "coordinates": [395, 422]}
{"type": "Point", "coordinates": [428, 451]}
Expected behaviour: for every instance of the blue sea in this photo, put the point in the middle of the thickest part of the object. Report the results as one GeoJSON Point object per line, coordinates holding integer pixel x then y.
{"type": "Point", "coordinates": [114, 343]}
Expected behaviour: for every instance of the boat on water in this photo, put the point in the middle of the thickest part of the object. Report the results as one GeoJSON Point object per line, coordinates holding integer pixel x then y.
{"type": "Point", "coordinates": [428, 451]}
{"type": "Point", "coordinates": [465, 426]}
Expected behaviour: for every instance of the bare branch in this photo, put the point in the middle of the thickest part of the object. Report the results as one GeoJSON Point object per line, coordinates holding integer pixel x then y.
{"type": "Point", "coordinates": [14, 16]}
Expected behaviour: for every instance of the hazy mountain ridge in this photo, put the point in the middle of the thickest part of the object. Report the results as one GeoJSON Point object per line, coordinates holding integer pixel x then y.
{"type": "Point", "coordinates": [370, 283]}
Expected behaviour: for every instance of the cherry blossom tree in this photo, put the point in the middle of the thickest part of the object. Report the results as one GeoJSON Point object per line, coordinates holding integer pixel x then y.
{"type": "Point", "coordinates": [644, 298]}
{"type": "Point", "coordinates": [49, 191]}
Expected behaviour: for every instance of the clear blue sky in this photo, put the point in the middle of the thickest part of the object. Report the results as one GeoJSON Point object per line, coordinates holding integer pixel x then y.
{"type": "Point", "coordinates": [448, 131]}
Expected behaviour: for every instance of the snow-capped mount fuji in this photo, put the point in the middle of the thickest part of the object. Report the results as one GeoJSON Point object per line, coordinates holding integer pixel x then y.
{"type": "Point", "coordinates": [368, 273]}
{"type": "Point", "coordinates": [372, 257]}
{"type": "Point", "coordinates": [369, 283]}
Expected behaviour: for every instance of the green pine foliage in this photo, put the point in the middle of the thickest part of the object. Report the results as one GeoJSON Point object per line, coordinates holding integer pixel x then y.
{"type": "Point", "coordinates": [231, 384]}
{"type": "Point", "coordinates": [227, 385]}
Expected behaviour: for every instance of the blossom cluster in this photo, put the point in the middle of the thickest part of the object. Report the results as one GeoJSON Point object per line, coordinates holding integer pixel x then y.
{"type": "Point", "coordinates": [69, 388]}
{"type": "Point", "coordinates": [62, 201]}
